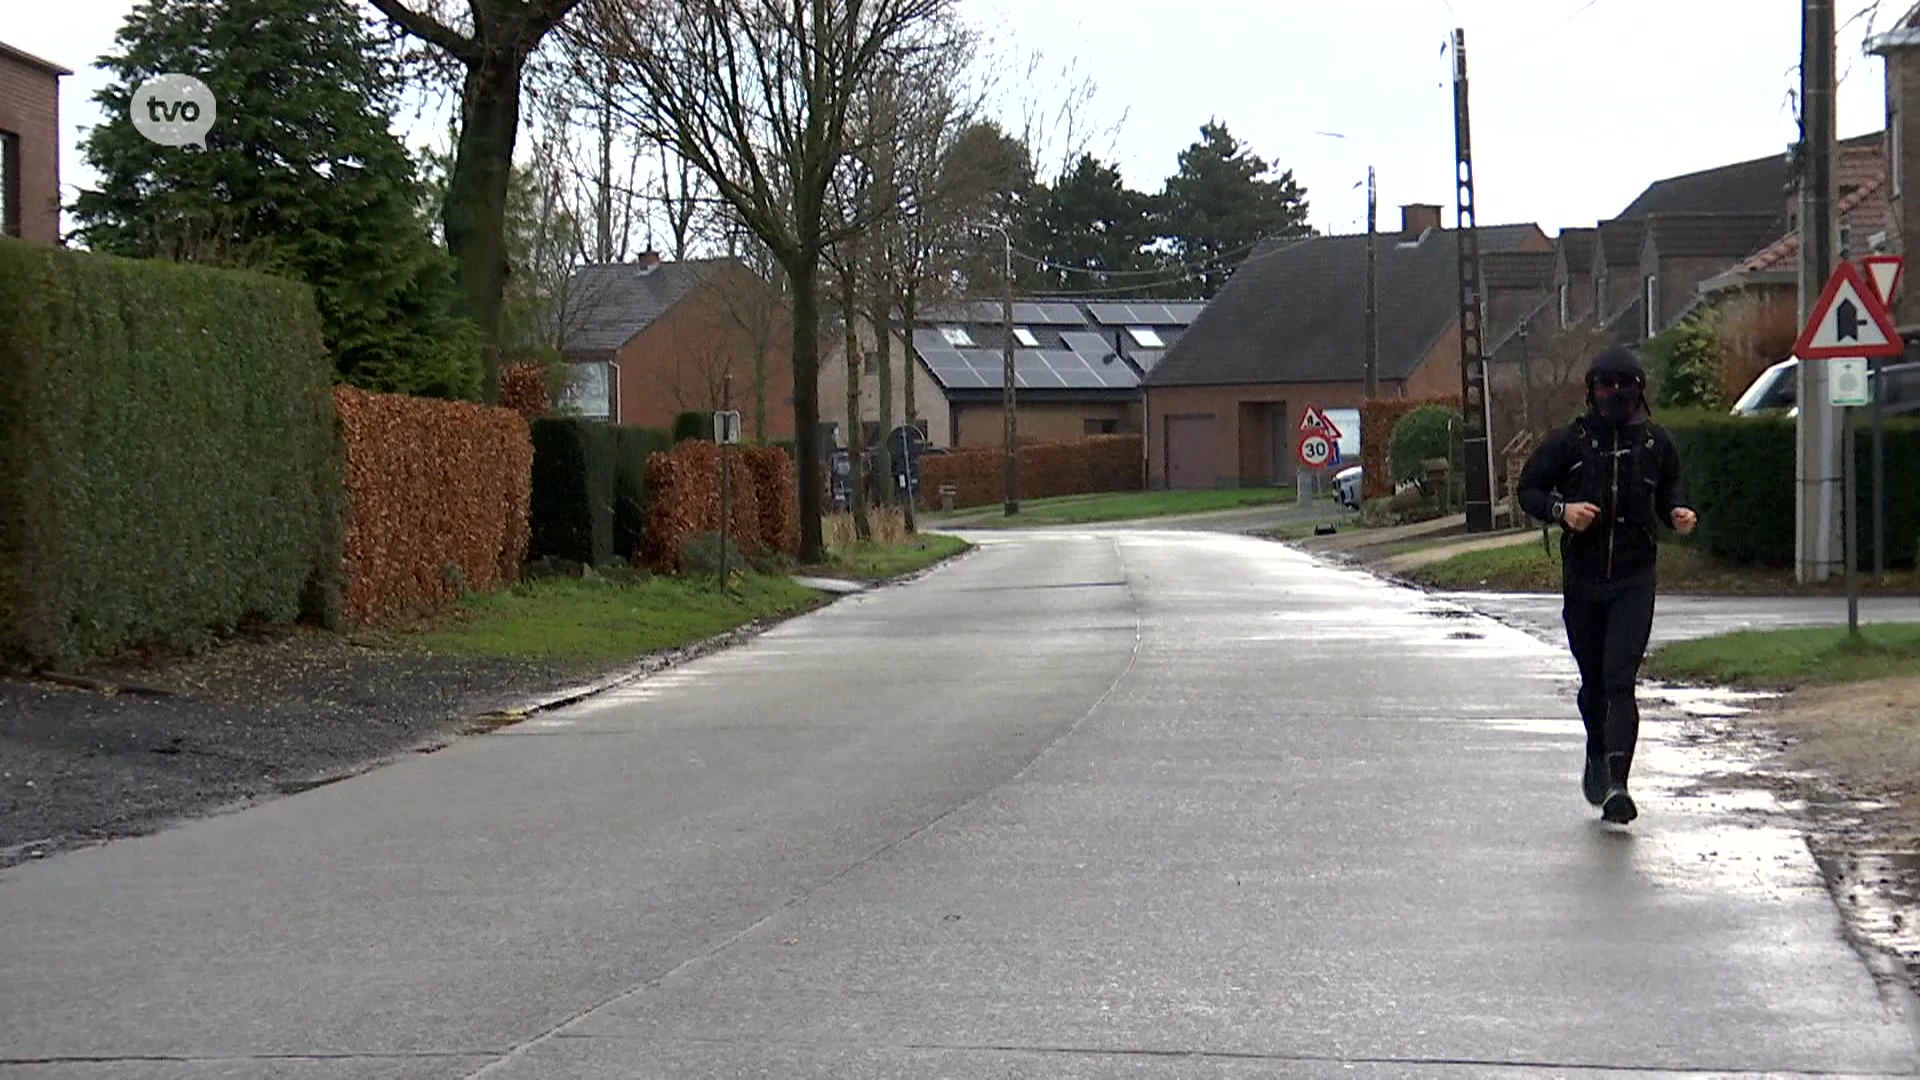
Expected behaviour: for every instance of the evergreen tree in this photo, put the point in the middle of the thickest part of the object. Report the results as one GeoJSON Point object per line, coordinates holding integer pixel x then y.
{"type": "Point", "coordinates": [1093, 231]}
{"type": "Point", "coordinates": [1222, 201]}
{"type": "Point", "coordinates": [301, 176]}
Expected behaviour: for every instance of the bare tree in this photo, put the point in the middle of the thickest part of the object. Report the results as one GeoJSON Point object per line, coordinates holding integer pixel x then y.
{"type": "Point", "coordinates": [756, 317]}
{"type": "Point", "coordinates": [851, 195]}
{"type": "Point", "coordinates": [492, 49]}
{"type": "Point", "coordinates": [1060, 132]}
{"type": "Point", "coordinates": [925, 118]}
{"type": "Point", "coordinates": [757, 95]}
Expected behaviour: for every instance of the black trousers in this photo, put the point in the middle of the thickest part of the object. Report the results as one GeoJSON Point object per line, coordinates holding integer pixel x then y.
{"type": "Point", "coordinates": [1607, 628]}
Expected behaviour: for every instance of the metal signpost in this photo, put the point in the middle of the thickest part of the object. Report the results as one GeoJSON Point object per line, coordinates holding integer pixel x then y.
{"type": "Point", "coordinates": [1317, 447]}
{"type": "Point", "coordinates": [726, 432]}
{"type": "Point", "coordinates": [1848, 324]}
{"type": "Point", "coordinates": [1883, 273]}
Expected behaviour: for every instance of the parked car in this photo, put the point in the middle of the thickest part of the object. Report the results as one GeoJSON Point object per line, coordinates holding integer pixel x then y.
{"type": "Point", "coordinates": [1776, 389]}
{"type": "Point", "coordinates": [1346, 486]}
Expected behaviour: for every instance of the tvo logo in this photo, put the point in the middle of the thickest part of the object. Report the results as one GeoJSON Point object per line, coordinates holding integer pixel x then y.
{"type": "Point", "coordinates": [173, 110]}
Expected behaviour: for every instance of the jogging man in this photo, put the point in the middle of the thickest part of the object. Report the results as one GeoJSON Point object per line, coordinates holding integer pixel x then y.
{"type": "Point", "coordinates": [1608, 479]}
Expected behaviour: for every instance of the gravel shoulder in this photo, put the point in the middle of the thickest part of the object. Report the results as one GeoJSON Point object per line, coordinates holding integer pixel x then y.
{"type": "Point", "coordinates": [150, 743]}
{"type": "Point", "coordinates": [251, 719]}
{"type": "Point", "coordinates": [1845, 757]}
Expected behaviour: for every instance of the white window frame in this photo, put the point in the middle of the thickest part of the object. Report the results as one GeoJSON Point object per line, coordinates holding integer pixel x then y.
{"type": "Point", "coordinates": [1146, 337]}
{"type": "Point", "coordinates": [1566, 305]}
{"type": "Point", "coordinates": [1651, 300]}
{"type": "Point", "coordinates": [587, 390]}
{"type": "Point", "coordinates": [957, 337]}
{"type": "Point", "coordinates": [1025, 337]}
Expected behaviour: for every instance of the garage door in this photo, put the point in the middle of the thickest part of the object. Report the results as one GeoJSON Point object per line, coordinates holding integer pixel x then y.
{"type": "Point", "coordinates": [1191, 452]}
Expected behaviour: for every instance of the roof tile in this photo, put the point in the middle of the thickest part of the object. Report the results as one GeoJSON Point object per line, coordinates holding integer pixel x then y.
{"type": "Point", "coordinates": [1296, 313]}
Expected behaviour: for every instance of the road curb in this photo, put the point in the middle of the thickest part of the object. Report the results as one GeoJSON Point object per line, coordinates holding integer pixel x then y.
{"type": "Point", "coordinates": [667, 659]}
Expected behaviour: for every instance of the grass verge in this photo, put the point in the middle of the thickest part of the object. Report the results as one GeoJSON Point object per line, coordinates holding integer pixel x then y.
{"type": "Point", "coordinates": [1528, 567]}
{"type": "Point", "coordinates": [889, 552]}
{"type": "Point", "coordinates": [872, 561]}
{"type": "Point", "coordinates": [582, 623]}
{"type": "Point", "coordinates": [1122, 506]}
{"type": "Point", "coordinates": [1785, 659]}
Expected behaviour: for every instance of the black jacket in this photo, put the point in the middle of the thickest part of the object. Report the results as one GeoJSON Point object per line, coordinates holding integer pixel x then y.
{"type": "Point", "coordinates": [1631, 472]}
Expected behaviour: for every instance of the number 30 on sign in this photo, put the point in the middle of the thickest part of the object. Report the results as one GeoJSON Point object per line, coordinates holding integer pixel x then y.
{"type": "Point", "coordinates": [1315, 450]}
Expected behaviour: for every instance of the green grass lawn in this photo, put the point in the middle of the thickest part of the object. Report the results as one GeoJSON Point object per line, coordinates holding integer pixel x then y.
{"type": "Point", "coordinates": [1527, 567]}
{"type": "Point", "coordinates": [1777, 659]}
{"type": "Point", "coordinates": [1123, 506]}
{"type": "Point", "coordinates": [582, 623]}
{"type": "Point", "coordinates": [871, 560]}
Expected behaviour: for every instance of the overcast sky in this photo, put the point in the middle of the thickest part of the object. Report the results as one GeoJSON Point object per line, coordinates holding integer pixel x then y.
{"type": "Point", "coordinates": [1577, 104]}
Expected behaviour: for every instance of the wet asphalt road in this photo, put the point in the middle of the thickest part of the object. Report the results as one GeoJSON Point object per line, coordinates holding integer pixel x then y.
{"type": "Point", "coordinates": [1677, 618]}
{"type": "Point", "coordinates": [1077, 805]}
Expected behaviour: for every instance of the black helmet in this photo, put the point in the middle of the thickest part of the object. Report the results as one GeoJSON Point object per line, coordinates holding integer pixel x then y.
{"type": "Point", "coordinates": [1617, 360]}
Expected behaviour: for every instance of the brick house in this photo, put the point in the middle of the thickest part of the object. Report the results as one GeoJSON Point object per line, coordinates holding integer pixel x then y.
{"type": "Point", "coordinates": [647, 340]}
{"type": "Point", "coordinates": [29, 146]}
{"type": "Point", "coordinates": [1682, 250]}
{"type": "Point", "coordinates": [1900, 49]}
{"type": "Point", "coordinates": [1078, 364]}
{"type": "Point", "coordinates": [1288, 331]}
{"type": "Point", "coordinates": [1687, 240]}
{"type": "Point", "coordinates": [1573, 267]}
{"type": "Point", "coordinates": [932, 416]}
{"type": "Point", "coordinates": [1616, 272]}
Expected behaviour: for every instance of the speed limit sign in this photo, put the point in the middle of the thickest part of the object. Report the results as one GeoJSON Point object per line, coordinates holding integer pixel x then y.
{"type": "Point", "coordinates": [1315, 450]}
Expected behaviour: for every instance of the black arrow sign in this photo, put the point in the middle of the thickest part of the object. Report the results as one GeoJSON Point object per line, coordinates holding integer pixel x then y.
{"type": "Point", "coordinates": [1846, 318]}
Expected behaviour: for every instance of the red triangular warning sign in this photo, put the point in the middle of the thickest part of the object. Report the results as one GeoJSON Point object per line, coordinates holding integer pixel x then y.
{"type": "Point", "coordinates": [1312, 419]}
{"type": "Point", "coordinates": [1848, 320]}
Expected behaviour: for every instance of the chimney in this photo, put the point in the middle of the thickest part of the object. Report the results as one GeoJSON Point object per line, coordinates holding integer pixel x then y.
{"type": "Point", "coordinates": [647, 261]}
{"type": "Point", "coordinates": [1417, 218]}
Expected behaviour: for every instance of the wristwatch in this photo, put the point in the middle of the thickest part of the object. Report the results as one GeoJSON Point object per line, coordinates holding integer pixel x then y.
{"type": "Point", "coordinates": [1560, 512]}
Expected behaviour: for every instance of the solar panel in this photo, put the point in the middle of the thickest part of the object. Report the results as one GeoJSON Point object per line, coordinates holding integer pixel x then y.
{"type": "Point", "coordinates": [1111, 314]}
{"type": "Point", "coordinates": [1147, 359]}
{"type": "Point", "coordinates": [1062, 315]}
{"type": "Point", "coordinates": [965, 379]}
{"type": "Point", "coordinates": [1151, 315]}
{"type": "Point", "coordinates": [1029, 313]}
{"type": "Point", "coordinates": [1184, 314]}
{"type": "Point", "coordinates": [930, 341]}
{"type": "Point", "coordinates": [1075, 372]}
{"type": "Point", "coordinates": [1088, 344]}
{"type": "Point", "coordinates": [985, 311]}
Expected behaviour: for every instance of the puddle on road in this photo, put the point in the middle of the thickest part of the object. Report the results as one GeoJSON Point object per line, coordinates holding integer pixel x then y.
{"type": "Point", "coordinates": [1733, 819]}
{"type": "Point", "coordinates": [1704, 702]}
{"type": "Point", "coordinates": [1876, 891]}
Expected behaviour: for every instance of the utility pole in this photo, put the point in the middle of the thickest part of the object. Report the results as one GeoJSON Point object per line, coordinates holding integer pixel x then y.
{"type": "Point", "coordinates": [1526, 375]}
{"type": "Point", "coordinates": [1011, 431]}
{"type": "Point", "coordinates": [1476, 409]}
{"type": "Point", "coordinates": [1818, 445]}
{"type": "Point", "coordinates": [726, 474]}
{"type": "Point", "coordinates": [1373, 291]}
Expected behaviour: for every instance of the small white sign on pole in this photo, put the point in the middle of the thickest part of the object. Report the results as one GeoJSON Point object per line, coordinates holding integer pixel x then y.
{"type": "Point", "coordinates": [1847, 384]}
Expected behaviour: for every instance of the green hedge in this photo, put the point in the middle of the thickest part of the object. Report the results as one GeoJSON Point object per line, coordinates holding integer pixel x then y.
{"type": "Point", "coordinates": [692, 425]}
{"type": "Point", "coordinates": [589, 488]}
{"type": "Point", "coordinates": [169, 465]}
{"type": "Point", "coordinates": [632, 444]}
{"type": "Point", "coordinates": [1738, 473]}
{"type": "Point", "coordinates": [573, 472]}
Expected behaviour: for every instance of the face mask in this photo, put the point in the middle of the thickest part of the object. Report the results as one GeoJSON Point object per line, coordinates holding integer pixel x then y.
{"type": "Point", "coordinates": [1615, 406]}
